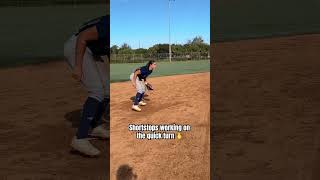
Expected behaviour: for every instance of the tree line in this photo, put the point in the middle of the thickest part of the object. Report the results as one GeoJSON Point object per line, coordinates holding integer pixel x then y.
{"type": "Point", "coordinates": [197, 44]}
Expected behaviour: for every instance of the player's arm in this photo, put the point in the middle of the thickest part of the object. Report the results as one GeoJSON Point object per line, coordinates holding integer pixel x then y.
{"type": "Point", "coordinates": [85, 36]}
{"type": "Point", "coordinates": [135, 77]}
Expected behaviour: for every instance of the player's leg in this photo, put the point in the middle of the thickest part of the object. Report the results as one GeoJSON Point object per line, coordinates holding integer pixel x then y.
{"type": "Point", "coordinates": [139, 95]}
{"type": "Point", "coordinates": [80, 142]}
{"type": "Point", "coordinates": [69, 51]}
{"type": "Point", "coordinates": [92, 83]}
{"type": "Point", "coordinates": [95, 77]}
{"type": "Point", "coordinates": [103, 108]}
{"type": "Point", "coordinates": [143, 90]}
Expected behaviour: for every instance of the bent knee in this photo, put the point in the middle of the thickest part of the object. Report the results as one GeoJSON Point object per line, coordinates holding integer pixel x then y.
{"type": "Point", "coordinates": [98, 95]}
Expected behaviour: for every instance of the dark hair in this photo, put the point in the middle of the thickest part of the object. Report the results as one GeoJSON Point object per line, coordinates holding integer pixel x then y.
{"type": "Point", "coordinates": [150, 62]}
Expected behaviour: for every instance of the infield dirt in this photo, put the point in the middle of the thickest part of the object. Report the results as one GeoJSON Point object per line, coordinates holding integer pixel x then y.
{"type": "Point", "coordinates": [40, 113]}
{"type": "Point", "coordinates": [179, 99]}
{"type": "Point", "coordinates": [266, 118]}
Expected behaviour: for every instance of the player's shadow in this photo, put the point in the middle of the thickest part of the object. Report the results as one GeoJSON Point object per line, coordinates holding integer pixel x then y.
{"type": "Point", "coordinates": [74, 117]}
{"type": "Point", "coordinates": [144, 98]}
{"type": "Point", "coordinates": [125, 172]}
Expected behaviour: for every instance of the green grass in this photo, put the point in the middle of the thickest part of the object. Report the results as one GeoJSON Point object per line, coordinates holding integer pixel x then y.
{"type": "Point", "coordinates": [37, 34]}
{"type": "Point", "coordinates": [121, 72]}
{"type": "Point", "coordinates": [234, 20]}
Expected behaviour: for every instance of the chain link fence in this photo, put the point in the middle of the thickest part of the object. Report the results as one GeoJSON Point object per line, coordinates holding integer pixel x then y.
{"type": "Point", "coordinates": [140, 58]}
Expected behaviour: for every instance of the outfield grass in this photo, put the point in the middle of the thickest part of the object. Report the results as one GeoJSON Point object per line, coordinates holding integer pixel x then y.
{"type": "Point", "coordinates": [37, 34]}
{"type": "Point", "coordinates": [121, 72]}
{"type": "Point", "coordinates": [234, 20]}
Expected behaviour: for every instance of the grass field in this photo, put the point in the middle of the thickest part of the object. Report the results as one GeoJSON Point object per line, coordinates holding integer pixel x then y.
{"type": "Point", "coordinates": [121, 72]}
{"type": "Point", "coordinates": [37, 34]}
{"type": "Point", "coordinates": [233, 20]}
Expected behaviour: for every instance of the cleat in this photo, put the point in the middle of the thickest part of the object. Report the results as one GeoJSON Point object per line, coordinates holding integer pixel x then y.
{"type": "Point", "coordinates": [136, 108]}
{"type": "Point", "coordinates": [142, 103]}
{"type": "Point", "coordinates": [100, 132]}
{"type": "Point", "coordinates": [84, 146]}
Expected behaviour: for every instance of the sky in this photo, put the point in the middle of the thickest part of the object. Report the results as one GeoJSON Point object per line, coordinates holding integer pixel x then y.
{"type": "Point", "coordinates": [144, 23]}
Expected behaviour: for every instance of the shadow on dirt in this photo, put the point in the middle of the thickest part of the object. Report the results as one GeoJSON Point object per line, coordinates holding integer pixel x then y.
{"type": "Point", "coordinates": [125, 172]}
{"type": "Point", "coordinates": [73, 117]}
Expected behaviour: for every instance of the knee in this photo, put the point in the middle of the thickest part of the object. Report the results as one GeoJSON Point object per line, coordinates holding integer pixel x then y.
{"type": "Point", "coordinates": [141, 91]}
{"type": "Point", "coordinates": [98, 95]}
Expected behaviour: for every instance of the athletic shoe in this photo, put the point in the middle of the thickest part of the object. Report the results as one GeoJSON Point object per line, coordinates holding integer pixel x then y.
{"type": "Point", "coordinates": [142, 103]}
{"type": "Point", "coordinates": [136, 108]}
{"type": "Point", "coordinates": [84, 146]}
{"type": "Point", "coordinates": [100, 132]}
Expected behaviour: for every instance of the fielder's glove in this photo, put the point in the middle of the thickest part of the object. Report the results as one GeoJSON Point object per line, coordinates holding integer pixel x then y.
{"type": "Point", "coordinates": [149, 86]}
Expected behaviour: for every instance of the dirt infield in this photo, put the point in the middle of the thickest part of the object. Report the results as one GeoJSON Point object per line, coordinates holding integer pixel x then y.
{"type": "Point", "coordinates": [266, 119]}
{"type": "Point", "coordinates": [40, 108]}
{"type": "Point", "coordinates": [40, 113]}
{"type": "Point", "coordinates": [180, 99]}
{"type": "Point", "coordinates": [266, 109]}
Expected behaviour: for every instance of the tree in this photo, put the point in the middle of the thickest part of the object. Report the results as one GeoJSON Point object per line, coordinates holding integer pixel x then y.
{"type": "Point", "coordinates": [177, 48]}
{"type": "Point", "coordinates": [125, 46]}
{"type": "Point", "coordinates": [125, 49]}
{"type": "Point", "coordinates": [153, 50]}
{"type": "Point", "coordinates": [114, 49]}
{"type": "Point", "coordinates": [197, 40]}
{"type": "Point", "coordinates": [140, 51]}
{"type": "Point", "coordinates": [196, 44]}
{"type": "Point", "coordinates": [163, 48]}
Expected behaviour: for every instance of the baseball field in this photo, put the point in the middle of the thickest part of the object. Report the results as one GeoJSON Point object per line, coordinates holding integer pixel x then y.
{"type": "Point", "coordinates": [181, 96]}
{"type": "Point", "coordinates": [264, 97]}
{"type": "Point", "coordinates": [268, 120]}
{"type": "Point", "coordinates": [268, 124]}
{"type": "Point", "coordinates": [178, 99]}
{"type": "Point", "coordinates": [266, 109]}
{"type": "Point", "coordinates": [40, 114]}
{"type": "Point", "coordinates": [48, 101]}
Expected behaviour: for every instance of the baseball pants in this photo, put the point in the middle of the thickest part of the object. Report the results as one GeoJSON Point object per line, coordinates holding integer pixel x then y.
{"type": "Point", "coordinates": [95, 76]}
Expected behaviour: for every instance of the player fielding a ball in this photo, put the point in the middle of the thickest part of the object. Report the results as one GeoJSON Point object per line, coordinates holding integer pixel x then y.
{"type": "Point", "coordinates": [87, 55]}
{"type": "Point", "coordinates": [139, 81]}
